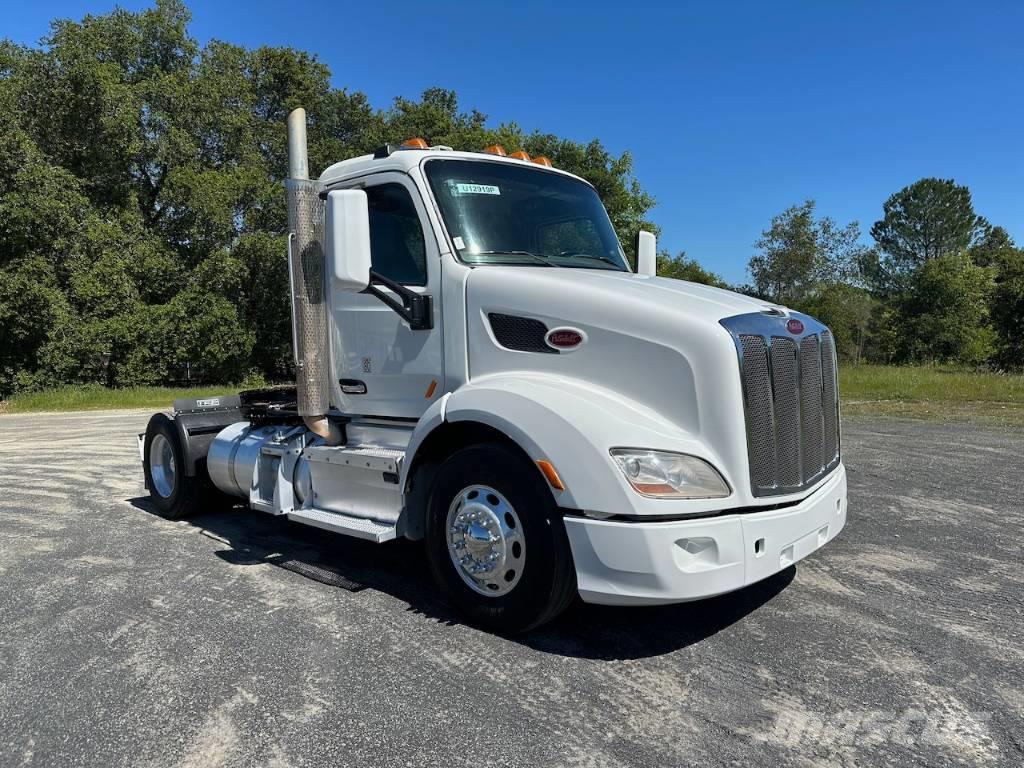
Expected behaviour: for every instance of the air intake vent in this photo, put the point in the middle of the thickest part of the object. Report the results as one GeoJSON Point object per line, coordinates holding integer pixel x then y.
{"type": "Point", "coordinates": [790, 402]}
{"type": "Point", "coordinates": [522, 334]}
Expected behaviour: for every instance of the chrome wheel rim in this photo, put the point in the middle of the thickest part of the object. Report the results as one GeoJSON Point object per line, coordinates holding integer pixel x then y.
{"type": "Point", "coordinates": [485, 540]}
{"type": "Point", "coordinates": [161, 466]}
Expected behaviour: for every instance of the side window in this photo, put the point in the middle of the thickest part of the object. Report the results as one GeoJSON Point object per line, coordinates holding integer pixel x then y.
{"type": "Point", "coordinates": [397, 249]}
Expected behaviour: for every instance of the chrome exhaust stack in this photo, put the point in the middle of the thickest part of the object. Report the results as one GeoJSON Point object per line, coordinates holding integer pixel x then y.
{"type": "Point", "coordinates": [307, 278]}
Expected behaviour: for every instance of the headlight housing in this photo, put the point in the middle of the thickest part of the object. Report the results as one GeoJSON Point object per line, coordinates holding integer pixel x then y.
{"type": "Point", "coordinates": [668, 475]}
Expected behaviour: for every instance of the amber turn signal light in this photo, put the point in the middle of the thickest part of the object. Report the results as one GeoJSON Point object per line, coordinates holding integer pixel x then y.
{"type": "Point", "coordinates": [548, 470]}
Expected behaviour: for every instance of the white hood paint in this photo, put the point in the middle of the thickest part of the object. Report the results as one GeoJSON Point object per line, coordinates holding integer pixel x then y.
{"type": "Point", "coordinates": [622, 287]}
{"type": "Point", "coordinates": [656, 341]}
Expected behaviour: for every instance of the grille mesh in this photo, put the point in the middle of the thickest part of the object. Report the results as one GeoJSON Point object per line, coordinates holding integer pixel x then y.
{"type": "Point", "coordinates": [760, 421]}
{"type": "Point", "coordinates": [790, 401]}
{"type": "Point", "coordinates": [829, 395]}
{"type": "Point", "coordinates": [812, 430]}
{"type": "Point", "coordinates": [787, 410]}
{"type": "Point", "coordinates": [523, 334]}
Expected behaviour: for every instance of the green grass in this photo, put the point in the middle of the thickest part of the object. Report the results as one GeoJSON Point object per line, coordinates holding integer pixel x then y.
{"type": "Point", "coordinates": [97, 398]}
{"type": "Point", "coordinates": [932, 392]}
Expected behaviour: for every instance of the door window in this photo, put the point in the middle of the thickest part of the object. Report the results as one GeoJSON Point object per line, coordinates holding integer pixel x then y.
{"type": "Point", "coordinates": [397, 248]}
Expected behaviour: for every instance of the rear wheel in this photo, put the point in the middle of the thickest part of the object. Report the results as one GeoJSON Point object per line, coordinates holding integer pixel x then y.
{"type": "Point", "coordinates": [496, 540]}
{"type": "Point", "coordinates": [174, 494]}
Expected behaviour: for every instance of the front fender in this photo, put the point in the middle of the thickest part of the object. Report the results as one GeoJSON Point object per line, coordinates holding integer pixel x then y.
{"type": "Point", "coordinates": [572, 424]}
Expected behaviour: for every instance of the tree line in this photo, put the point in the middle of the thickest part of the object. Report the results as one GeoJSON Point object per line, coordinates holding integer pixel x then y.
{"type": "Point", "coordinates": [940, 284]}
{"type": "Point", "coordinates": [142, 209]}
{"type": "Point", "coordinates": [142, 215]}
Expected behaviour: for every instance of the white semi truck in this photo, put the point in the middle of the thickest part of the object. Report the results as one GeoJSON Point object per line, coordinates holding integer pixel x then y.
{"type": "Point", "coordinates": [479, 368]}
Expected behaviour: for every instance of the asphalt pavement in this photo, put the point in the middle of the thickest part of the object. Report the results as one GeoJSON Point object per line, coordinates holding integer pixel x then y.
{"type": "Point", "coordinates": [226, 640]}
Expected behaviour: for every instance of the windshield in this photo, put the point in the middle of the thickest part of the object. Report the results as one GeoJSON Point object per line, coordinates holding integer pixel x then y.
{"type": "Point", "coordinates": [499, 213]}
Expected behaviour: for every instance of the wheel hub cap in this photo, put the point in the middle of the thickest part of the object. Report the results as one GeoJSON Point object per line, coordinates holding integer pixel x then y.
{"type": "Point", "coordinates": [485, 540]}
{"type": "Point", "coordinates": [161, 466]}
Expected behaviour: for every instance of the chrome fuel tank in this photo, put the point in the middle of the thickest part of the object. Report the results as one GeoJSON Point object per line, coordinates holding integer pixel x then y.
{"type": "Point", "coordinates": [259, 464]}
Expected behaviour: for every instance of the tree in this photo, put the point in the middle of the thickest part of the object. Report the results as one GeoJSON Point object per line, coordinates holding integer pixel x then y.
{"type": "Point", "coordinates": [1008, 306]}
{"type": "Point", "coordinates": [929, 219]}
{"type": "Point", "coordinates": [945, 312]}
{"type": "Point", "coordinates": [848, 311]}
{"type": "Point", "coordinates": [680, 267]}
{"type": "Point", "coordinates": [992, 245]}
{"type": "Point", "coordinates": [142, 210]}
{"type": "Point", "coordinates": [799, 254]}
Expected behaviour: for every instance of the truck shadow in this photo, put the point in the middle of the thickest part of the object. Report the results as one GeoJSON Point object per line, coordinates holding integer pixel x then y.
{"type": "Point", "coordinates": [399, 569]}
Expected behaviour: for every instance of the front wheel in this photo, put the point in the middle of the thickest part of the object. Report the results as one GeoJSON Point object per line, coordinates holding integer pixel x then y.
{"type": "Point", "coordinates": [496, 540]}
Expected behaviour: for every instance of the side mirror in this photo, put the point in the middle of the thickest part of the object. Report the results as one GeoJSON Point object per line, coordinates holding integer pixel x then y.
{"type": "Point", "coordinates": [646, 253]}
{"type": "Point", "coordinates": [347, 239]}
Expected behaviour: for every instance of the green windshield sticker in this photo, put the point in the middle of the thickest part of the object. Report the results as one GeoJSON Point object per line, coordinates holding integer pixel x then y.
{"type": "Point", "coordinates": [476, 189]}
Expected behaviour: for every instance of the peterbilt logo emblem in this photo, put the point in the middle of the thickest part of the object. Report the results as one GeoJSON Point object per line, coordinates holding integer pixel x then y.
{"type": "Point", "coordinates": [564, 339]}
{"type": "Point", "coordinates": [794, 326]}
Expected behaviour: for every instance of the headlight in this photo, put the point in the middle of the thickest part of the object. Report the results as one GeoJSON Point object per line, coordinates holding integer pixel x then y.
{"type": "Point", "coordinates": [668, 475]}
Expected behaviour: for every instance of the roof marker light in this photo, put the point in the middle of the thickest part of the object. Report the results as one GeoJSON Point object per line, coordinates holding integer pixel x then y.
{"type": "Point", "coordinates": [520, 155]}
{"type": "Point", "coordinates": [495, 149]}
{"type": "Point", "coordinates": [542, 160]}
{"type": "Point", "coordinates": [416, 143]}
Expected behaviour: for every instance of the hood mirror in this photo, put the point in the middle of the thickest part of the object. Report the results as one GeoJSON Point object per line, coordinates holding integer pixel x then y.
{"type": "Point", "coordinates": [646, 253]}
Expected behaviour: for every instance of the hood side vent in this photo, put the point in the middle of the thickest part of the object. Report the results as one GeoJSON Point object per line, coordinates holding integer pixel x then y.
{"type": "Point", "coordinates": [521, 334]}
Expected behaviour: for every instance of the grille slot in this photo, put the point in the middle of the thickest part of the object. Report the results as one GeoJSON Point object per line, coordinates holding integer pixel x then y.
{"type": "Point", "coordinates": [829, 395]}
{"type": "Point", "coordinates": [522, 334]}
{"type": "Point", "coordinates": [786, 386]}
{"type": "Point", "coordinates": [812, 431]}
{"type": "Point", "coordinates": [790, 397]}
{"type": "Point", "coordinates": [760, 420]}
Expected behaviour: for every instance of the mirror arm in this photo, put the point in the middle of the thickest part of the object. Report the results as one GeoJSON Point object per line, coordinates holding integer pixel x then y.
{"type": "Point", "coordinates": [416, 309]}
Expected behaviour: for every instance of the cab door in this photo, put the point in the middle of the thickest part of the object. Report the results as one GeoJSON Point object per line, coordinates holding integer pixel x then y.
{"type": "Point", "coordinates": [383, 367]}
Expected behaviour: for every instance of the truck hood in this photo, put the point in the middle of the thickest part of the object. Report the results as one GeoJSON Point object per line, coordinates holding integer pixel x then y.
{"type": "Point", "coordinates": [620, 288]}
{"type": "Point", "coordinates": [657, 341]}
{"type": "Point", "coordinates": [654, 344]}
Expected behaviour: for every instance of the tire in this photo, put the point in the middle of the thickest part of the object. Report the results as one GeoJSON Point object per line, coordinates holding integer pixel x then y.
{"type": "Point", "coordinates": [533, 578]}
{"type": "Point", "coordinates": [175, 495]}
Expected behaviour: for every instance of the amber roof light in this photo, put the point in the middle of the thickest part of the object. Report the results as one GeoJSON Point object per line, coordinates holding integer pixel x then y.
{"type": "Point", "coordinates": [495, 149]}
{"type": "Point", "coordinates": [520, 155]}
{"type": "Point", "coordinates": [416, 143]}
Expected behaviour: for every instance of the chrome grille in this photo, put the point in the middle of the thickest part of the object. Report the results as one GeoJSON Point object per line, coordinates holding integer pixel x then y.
{"type": "Point", "coordinates": [790, 398]}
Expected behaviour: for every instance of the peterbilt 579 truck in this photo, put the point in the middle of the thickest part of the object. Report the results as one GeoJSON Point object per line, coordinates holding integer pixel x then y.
{"type": "Point", "coordinates": [478, 367]}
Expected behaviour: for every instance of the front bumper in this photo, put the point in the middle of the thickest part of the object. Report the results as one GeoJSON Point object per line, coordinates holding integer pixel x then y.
{"type": "Point", "coordinates": [634, 563]}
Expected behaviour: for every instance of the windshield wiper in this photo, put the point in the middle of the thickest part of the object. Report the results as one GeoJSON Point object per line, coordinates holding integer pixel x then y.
{"type": "Point", "coordinates": [535, 256]}
{"type": "Point", "coordinates": [605, 259]}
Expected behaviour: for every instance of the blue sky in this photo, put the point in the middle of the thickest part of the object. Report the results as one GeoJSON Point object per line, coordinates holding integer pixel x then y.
{"type": "Point", "coordinates": [732, 112]}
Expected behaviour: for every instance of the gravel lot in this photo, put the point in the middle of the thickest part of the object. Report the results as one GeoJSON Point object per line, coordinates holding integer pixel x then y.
{"type": "Point", "coordinates": [129, 640]}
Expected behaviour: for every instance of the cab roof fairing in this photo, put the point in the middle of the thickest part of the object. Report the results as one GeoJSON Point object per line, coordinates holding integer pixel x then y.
{"type": "Point", "coordinates": [405, 160]}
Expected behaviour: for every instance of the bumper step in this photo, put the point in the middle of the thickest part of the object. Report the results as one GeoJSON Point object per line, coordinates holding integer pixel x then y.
{"type": "Point", "coordinates": [359, 527]}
